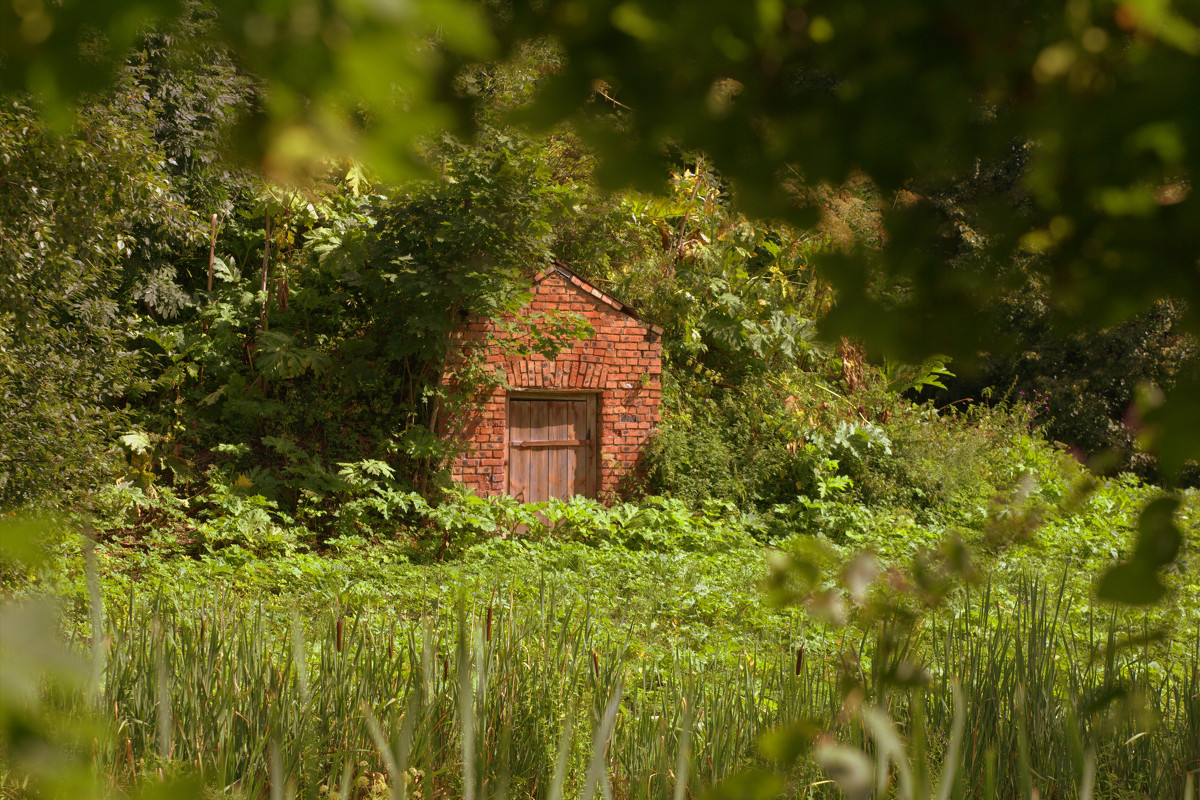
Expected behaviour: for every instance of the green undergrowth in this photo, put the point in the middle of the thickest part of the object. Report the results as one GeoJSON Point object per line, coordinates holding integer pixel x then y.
{"type": "Point", "coordinates": [911, 555]}
{"type": "Point", "coordinates": [938, 500]}
{"type": "Point", "coordinates": [669, 574]}
{"type": "Point", "coordinates": [466, 696]}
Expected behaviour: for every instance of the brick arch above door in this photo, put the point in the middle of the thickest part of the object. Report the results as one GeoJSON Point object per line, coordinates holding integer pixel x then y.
{"type": "Point", "coordinates": [572, 371]}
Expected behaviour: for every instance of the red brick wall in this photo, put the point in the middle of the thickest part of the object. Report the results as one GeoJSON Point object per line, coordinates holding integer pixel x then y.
{"type": "Point", "coordinates": [621, 364]}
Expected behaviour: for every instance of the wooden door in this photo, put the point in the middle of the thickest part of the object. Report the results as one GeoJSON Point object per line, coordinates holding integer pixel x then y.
{"type": "Point", "coordinates": [551, 447]}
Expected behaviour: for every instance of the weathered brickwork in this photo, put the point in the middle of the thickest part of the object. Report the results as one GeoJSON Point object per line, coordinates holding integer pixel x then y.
{"type": "Point", "coordinates": [620, 364]}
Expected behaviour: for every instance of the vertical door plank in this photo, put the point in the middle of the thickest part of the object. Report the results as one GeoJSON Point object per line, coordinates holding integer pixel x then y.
{"type": "Point", "coordinates": [532, 433]}
{"type": "Point", "coordinates": [526, 456]}
{"type": "Point", "coordinates": [551, 455]}
{"type": "Point", "coordinates": [554, 432]}
{"type": "Point", "coordinates": [593, 437]}
{"type": "Point", "coordinates": [565, 470]}
{"type": "Point", "coordinates": [510, 423]}
{"type": "Point", "coordinates": [539, 456]}
{"type": "Point", "coordinates": [570, 454]}
{"type": "Point", "coordinates": [518, 423]}
{"type": "Point", "coordinates": [547, 453]}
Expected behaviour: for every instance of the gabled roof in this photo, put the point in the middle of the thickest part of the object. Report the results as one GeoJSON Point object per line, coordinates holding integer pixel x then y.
{"type": "Point", "coordinates": [603, 297]}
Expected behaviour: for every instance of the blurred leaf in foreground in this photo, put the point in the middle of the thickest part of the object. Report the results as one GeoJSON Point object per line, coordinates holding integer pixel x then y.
{"type": "Point", "coordinates": [1136, 581]}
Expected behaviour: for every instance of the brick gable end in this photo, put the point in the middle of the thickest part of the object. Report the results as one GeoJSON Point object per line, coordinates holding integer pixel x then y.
{"type": "Point", "coordinates": [620, 365]}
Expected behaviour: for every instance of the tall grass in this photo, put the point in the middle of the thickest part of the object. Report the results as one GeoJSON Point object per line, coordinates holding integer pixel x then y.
{"type": "Point", "coordinates": [1044, 700]}
{"type": "Point", "coordinates": [490, 698]}
{"type": "Point", "coordinates": [490, 687]}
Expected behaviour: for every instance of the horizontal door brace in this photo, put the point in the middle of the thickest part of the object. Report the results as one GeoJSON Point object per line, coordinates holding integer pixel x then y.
{"type": "Point", "coordinates": [551, 443]}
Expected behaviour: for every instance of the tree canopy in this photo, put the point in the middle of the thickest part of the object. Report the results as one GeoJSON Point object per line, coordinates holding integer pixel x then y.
{"type": "Point", "coordinates": [1058, 135]}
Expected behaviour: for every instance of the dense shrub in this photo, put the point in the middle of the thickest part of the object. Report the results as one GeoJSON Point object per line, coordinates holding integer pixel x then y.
{"type": "Point", "coordinates": [943, 463]}
{"type": "Point", "coordinates": [68, 353]}
{"type": "Point", "coordinates": [768, 443]}
{"type": "Point", "coordinates": [1083, 384]}
{"type": "Point", "coordinates": [742, 444]}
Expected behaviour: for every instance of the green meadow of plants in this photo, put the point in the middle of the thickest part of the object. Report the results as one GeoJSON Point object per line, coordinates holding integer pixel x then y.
{"type": "Point", "coordinates": [232, 563]}
{"type": "Point", "coordinates": [508, 695]}
{"type": "Point", "coordinates": [651, 649]}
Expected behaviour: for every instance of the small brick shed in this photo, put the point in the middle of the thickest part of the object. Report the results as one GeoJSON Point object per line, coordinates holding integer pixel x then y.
{"type": "Point", "coordinates": [574, 425]}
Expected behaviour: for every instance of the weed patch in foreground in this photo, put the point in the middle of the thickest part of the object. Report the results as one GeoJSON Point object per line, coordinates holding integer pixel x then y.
{"type": "Point", "coordinates": [541, 698]}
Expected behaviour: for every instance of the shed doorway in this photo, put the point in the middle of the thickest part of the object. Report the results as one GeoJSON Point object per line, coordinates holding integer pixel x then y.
{"type": "Point", "coordinates": [551, 446]}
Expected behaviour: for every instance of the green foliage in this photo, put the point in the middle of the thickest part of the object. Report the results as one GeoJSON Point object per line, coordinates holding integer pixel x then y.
{"type": "Point", "coordinates": [1158, 544]}
{"type": "Point", "coordinates": [1088, 387]}
{"type": "Point", "coordinates": [742, 446]}
{"type": "Point", "coordinates": [656, 524]}
{"type": "Point", "coordinates": [198, 95]}
{"type": "Point", "coordinates": [70, 208]}
{"type": "Point", "coordinates": [334, 351]}
{"type": "Point", "coordinates": [349, 356]}
{"type": "Point", "coordinates": [328, 659]}
{"type": "Point", "coordinates": [947, 465]}
{"type": "Point", "coordinates": [282, 438]}
{"type": "Point", "coordinates": [103, 224]}
{"type": "Point", "coordinates": [809, 460]}
{"type": "Point", "coordinates": [736, 298]}
{"type": "Point", "coordinates": [914, 378]}
{"type": "Point", "coordinates": [1059, 143]}
{"type": "Point", "coordinates": [826, 91]}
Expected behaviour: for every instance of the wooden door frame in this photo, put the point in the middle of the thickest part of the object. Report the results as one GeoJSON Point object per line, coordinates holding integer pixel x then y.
{"type": "Point", "coordinates": [591, 415]}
